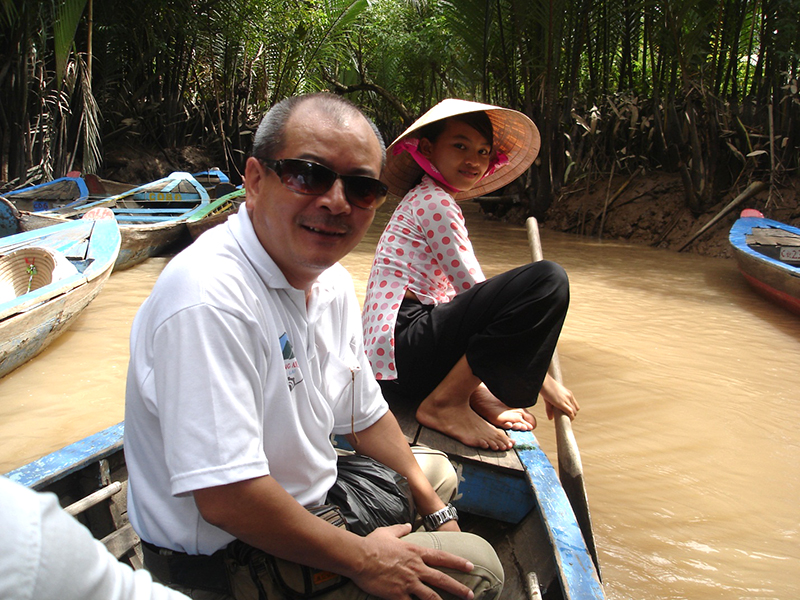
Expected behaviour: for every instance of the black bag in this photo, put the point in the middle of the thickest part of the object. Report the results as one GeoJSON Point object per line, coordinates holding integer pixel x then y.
{"type": "Point", "coordinates": [370, 494]}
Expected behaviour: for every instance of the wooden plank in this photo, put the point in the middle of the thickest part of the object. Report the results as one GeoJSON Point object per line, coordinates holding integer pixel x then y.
{"type": "Point", "coordinates": [453, 448]}
{"type": "Point", "coordinates": [770, 236]}
{"type": "Point", "coordinates": [404, 411]}
{"type": "Point", "coordinates": [576, 569]}
{"type": "Point", "coordinates": [121, 541]}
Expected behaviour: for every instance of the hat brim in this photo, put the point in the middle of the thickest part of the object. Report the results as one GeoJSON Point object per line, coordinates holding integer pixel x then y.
{"type": "Point", "coordinates": [515, 135]}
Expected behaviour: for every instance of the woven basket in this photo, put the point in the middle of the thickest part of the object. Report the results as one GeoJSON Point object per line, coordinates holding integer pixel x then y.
{"type": "Point", "coordinates": [15, 278]}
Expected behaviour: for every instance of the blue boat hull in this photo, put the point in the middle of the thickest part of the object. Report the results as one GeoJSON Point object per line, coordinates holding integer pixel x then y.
{"type": "Point", "coordinates": [761, 264]}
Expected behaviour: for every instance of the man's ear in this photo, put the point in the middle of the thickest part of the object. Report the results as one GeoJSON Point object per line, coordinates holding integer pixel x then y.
{"type": "Point", "coordinates": [425, 147]}
{"type": "Point", "coordinates": [253, 179]}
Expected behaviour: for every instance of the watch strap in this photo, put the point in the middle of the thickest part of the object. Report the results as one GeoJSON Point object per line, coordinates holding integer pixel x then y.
{"type": "Point", "coordinates": [433, 521]}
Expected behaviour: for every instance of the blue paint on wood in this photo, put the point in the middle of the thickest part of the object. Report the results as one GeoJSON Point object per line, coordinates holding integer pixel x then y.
{"type": "Point", "coordinates": [579, 579]}
{"type": "Point", "coordinates": [41, 198]}
{"type": "Point", "coordinates": [487, 492]}
{"type": "Point", "coordinates": [41, 473]}
{"type": "Point", "coordinates": [9, 219]}
{"type": "Point", "coordinates": [212, 172]}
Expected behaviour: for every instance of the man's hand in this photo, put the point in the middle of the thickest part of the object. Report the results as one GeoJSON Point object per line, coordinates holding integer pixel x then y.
{"type": "Point", "coordinates": [556, 395]}
{"type": "Point", "coordinates": [397, 570]}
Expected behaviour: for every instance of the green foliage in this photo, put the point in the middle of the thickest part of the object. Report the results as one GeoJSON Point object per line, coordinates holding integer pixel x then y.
{"type": "Point", "coordinates": [675, 84]}
{"type": "Point", "coordinates": [67, 15]}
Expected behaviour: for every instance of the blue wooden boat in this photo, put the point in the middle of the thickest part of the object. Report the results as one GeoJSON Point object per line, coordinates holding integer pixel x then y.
{"type": "Point", "coordinates": [514, 499]}
{"type": "Point", "coordinates": [211, 178]}
{"type": "Point", "coordinates": [91, 481]}
{"type": "Point", "coordinates": [151, 217]}
{"type": "Point", "coordinates": [47, 278]}
{"type": "Point", "coordinates": [64, 191]}
{"type": "Point", "coordinates": [767, 253]}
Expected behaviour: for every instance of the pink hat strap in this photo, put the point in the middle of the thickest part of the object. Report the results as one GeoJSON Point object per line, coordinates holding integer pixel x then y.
{"type": "Point", "coordinates": [411, 145]}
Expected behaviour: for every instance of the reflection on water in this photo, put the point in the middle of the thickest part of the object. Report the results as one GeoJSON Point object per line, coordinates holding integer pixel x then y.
{"type": "Point", "coordinates": [688, 384]}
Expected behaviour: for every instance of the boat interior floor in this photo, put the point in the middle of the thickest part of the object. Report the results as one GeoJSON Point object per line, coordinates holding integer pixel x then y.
{"type": "Point", "coordinates": [495, 502]}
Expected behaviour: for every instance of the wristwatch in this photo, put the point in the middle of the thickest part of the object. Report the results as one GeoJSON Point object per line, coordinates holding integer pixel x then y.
{"type": "Point", "coordinates": [433, 521]}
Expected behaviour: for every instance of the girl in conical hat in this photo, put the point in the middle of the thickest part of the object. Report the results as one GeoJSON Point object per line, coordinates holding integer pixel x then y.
{"type": "Point", "coordinates": [471, 352]}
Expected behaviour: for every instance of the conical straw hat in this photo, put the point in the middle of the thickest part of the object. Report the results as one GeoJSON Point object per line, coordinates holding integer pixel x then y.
{"type": "Point", "coordinates": [515, 135]}
{"type": "Point", "coordinates": [24, 271]}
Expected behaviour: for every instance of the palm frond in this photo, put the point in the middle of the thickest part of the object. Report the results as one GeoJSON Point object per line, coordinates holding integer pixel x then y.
{"type": "Point", "coordinates": [67, 16]}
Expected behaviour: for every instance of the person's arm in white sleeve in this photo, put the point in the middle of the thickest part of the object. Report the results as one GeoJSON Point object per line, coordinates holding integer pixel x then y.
{"type": "Point", "coordinates": [45, 554]}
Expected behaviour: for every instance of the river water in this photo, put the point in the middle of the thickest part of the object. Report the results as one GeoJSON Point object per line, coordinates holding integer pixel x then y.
{"type": "Point", "coordinates": [689, 386]}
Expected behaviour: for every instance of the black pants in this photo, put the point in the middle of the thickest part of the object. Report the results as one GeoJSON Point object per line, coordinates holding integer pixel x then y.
{"type": "Point", "coordinates": [507, 326]}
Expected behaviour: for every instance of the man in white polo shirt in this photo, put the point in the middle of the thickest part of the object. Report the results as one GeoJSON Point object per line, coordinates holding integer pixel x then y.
{"type": "Point", "coordinates": [246, 358]}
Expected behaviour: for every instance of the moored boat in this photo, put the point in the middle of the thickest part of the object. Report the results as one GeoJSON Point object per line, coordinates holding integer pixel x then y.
{"type": "Point", "coordinates": [214, 213]}
{"type": "Point", "coordinates": [151, 217]}
{"type": "Point", "coordinates": [47, 278]}
{"type": "Point", "coordinates": [64, 191]}
{"type": "Point", "coordinates": [211, 178]}
{"type": "Point", "coordinates": [767, 253]}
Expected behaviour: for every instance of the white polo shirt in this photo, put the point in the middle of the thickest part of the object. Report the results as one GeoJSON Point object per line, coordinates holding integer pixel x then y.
{"type": "Point", "coordinates": [232, 376]}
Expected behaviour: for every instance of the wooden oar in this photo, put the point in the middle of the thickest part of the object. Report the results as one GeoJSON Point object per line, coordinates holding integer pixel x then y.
{"type": "Point", "coordinates": [570, 469]}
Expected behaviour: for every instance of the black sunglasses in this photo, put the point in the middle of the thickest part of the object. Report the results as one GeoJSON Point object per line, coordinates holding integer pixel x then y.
{"type": "Point", "coordinates": [312, 179]}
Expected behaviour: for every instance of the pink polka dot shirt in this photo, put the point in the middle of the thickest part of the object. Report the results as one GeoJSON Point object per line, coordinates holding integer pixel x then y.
{"type": "Point", "coordinates": [425, 248]}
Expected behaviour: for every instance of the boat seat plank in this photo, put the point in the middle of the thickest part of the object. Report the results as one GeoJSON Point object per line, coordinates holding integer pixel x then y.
{"type": "Point", "coordinates": [417, 434]}
{"type": "Point", "coordinates": [772, 237]}
{"type": "Point", "coordinates": [121, 541]}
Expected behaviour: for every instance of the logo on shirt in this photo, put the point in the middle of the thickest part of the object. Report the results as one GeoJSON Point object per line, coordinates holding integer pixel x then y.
{"type": "Point", "coordinates": [293, 374]}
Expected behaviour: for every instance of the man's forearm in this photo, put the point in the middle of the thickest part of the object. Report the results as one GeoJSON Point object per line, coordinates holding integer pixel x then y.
{"type": "Point", "coordinates": [261, 513]}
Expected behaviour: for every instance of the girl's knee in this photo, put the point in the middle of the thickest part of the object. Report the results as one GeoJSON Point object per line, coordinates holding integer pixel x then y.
{"type": "Point", "coordinates": [549, 279]}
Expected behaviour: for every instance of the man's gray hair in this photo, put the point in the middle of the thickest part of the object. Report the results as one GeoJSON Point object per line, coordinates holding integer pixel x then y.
{"type": "Point", "coordinates": [270, 137]}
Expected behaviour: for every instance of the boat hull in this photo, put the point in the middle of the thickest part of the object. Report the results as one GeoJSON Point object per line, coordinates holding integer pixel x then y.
{"type": "Point", "coordinates": [538, 541]}
{"type": "Point", "coordinates": [214, 214]}
{"type": "Point", "coordinates": [90, 479]}
{"type": "Point", "coordinates": [151, 218]}
{"type": "Point", "coordinates": [50, 195]}
{"type": "Point", "coordinates": [32, 321]}
{"type": "Point", "coordinates": [774, 279]}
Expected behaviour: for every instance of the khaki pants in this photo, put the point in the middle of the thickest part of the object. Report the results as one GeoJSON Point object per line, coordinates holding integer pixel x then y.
{"type": "Point", "coordinates": [486, 579]}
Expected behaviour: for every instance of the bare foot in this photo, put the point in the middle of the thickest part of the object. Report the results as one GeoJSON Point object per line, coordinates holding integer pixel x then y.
{"type": "Point", "coordinates": [498, 413]}
{"type": "Point", "coordinates": [462, 423]}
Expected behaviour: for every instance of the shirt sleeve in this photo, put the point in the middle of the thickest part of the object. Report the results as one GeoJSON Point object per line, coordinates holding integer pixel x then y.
{"type": "Point", "coordinates": [442, 223]}
{"type": "Point", "coordinates": [54, 557]}
{"type": "Point", "coordinates": [211, 369]}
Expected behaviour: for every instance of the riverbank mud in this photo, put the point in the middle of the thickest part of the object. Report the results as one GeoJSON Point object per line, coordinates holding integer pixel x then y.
{"type": "Point", "coordinates": [650, 209]}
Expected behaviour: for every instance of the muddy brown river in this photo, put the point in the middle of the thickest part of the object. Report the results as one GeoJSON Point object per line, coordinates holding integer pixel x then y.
{"type": "Point", "coordinates": [689, 385]}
